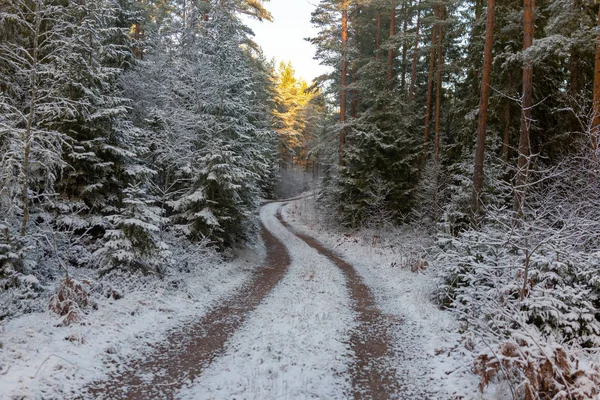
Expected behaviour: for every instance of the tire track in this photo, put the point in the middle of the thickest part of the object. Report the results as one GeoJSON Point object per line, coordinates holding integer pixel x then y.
{"type": "Point", "coordinates": [188, 351]}
{"type": "Point", "coordinates": [373, 373]}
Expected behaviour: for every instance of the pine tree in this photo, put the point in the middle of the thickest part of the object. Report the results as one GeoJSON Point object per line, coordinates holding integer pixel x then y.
{"type": "Point", "coordinates": [526, 114]}
{"type": "Point", "coordinates": [102, 140]}
{"type": "Point", "coordinates": [210, 128]}
{"type": "Point", "coordinates": [292, 98]}
{"type": "Point", "coordinates": [483, 107]}
{"type": "Point", "coordinates": [34, 54]}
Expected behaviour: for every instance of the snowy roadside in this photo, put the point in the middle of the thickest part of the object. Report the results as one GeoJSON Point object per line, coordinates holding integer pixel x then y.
{"type": "Point", "coordinates": [427, 334]}
{"type": "Point", "coordinates": [42, 360]}
{"type": "Point", "coordinates": [294, 345]}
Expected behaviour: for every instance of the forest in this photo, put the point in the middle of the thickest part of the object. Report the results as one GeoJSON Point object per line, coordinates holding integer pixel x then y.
{"type": "Point", "coordinates": [139, 136]}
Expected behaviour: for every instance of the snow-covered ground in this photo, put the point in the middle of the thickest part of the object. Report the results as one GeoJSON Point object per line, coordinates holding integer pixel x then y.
{"type": "Point", "coordinates": [40, 360]}
{"type": "Point", "coordinates": [294, 345]}
{"type": "Point", "coordinates": [428, 339]}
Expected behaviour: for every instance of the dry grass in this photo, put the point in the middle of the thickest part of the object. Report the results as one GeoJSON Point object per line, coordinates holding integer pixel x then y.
{"type": "Point", "coordinates": [71, 296]}
{"type": "Point", "coordinates": [538, 375]}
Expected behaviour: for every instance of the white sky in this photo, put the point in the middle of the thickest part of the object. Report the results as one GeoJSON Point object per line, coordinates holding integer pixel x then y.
{"type": "Point", "coordinates": [283, 38]}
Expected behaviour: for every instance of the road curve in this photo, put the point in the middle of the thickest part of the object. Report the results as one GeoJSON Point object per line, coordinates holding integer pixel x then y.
{"type": "Point", "coordinates": [189, 350]}
{"type": "Point", "coordinates": [372, 371]}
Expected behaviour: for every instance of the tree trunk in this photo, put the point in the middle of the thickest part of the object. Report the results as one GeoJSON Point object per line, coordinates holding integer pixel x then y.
{"type": "Point", "coordinates": [574, 73]}
{"type": "Point", "coordinates": [205, 16]}
{"type": "Point", "coordinates": [344, 73]}
{"type": "Point", "coordinates": [90, 36]}
{"type": "Point", "coordinates": [506, 140]}
{"type": "Point", "coordinates": [527, 102]}
{"type": "Point", "coordinates": [142, 35]}
{"type": "Point", "coordinates": [136, 37]}
{"type": "Point", "coordinates": [407, 6]}
{"type": "Point", "coordinates": [438, 99]}
{"type": "Point", "coordinates": [596, 126]}
{"type": "Point", "coordinates": [390, 67]}
{"type": "Point", "coordinates": [430, 88]}
{"type": "Point", "coordinates": [355, 101]}
{"type": "Point", "coordinates": [413, 74]}
{"type": "Point", "coordinates": [378, 36]}
{"type": "Point", "coordinates": [28, 135]}
{"type": "Point", "coordinates": [476, 69]}
{"type": "Point", "coordinates": [483, 107]}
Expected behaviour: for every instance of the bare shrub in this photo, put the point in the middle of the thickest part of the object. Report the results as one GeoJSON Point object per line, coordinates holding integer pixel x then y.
{"type": "Point", "coordinates": [70, 297]}
{"type": "Point", "coordinates": [418, 265]}
{"type": "Point", "coordinates": [538, 373]}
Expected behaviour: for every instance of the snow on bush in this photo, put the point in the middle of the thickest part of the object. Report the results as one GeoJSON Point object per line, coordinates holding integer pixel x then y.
{"type": "Point", "coordinates": [536, 372]}
{"type": "Point", "coordinates": [70, 297]}
{"type": "Point", "coordinates": [528, 289]}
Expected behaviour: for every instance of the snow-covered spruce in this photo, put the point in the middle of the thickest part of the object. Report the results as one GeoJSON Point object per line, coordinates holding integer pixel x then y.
{"type": "Point", "coordinates": [40, 358]}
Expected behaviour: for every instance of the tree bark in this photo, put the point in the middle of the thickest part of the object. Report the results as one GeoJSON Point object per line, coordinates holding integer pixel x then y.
{"type": "Point", "coordinates": [434, 30]}
{"type": "Point", "coordinates": [355, 101]}
{"type": "Point", "coordinates": [378, 36]}
{"type": "Point", "coordinates": [136, 37]}
{"type": "Point", "coordinates": [506, 140]}
{"type": "Point", "coordinates": [28, 134]}
{"type": "Point", "coordinates": [596, 123]}
{"type": "Point", "coordinates": [438, 99]}
{"type": "Point", "coordinates": [343, 82]}
{"type": "Point", "coordinates": [413, 74]}
{"type": "Point", "coordinates": [476, 68]}
{"type": "Point", "coordinates": [406, 7]}
{"type": "Point", "coordinates": [390, 62]}
{"type": "Point", "coordinates": [483, 107]}
{"type": "Point", "coordinates": [527, 102]}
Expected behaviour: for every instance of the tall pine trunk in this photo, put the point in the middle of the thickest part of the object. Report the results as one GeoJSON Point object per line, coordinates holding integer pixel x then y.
{"type": "Point", "coordinates": [527, 102]}
{"type": "Point", "coordinates": [343, 81]}
{"type": "Point", "coordinates": [355, 101]}
{"type": "Point", "coordinates": [390, 62]}
{"type": "Point", "coordinates": [506, 139]}
{"type": "Point", "coordinates": [378, 36]}
{"type": "Point", "coordinates": [483, 107]}
{"type": "Point", "coordinates": [596, 126]}
{"type": "Point", "coordinates": [407, 6]}
{"type": "Point", "coordinates": [438, 98]}
{"type": "Point", "coordinates": [413, 73]}
{"type": "Point", "coordinates": [438, 108]}
{"type": "Point", "coordinates": [136, 37]}
{"type": "Point", "coordinates": [434, 31]}
{"type": "Point", "coordinates": [28, 134]}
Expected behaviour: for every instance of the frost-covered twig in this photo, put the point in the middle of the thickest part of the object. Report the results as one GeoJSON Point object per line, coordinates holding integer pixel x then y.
{"type": "Point", "coordinates": [57, 356]}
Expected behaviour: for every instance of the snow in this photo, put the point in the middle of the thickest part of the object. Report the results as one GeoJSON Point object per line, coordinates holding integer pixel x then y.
{"type": "Point", "coordinates": [208, 217]}
{"type": "Point", "coordinates": [294, 345]}
{"type": "Point", "coordinates": [39, 359]}
{"type": "Point", "coordinates": [427, 334]}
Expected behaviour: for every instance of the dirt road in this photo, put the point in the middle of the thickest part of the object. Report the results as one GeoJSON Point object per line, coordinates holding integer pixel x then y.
{"type": "Point", "coordinates": [351, 337]}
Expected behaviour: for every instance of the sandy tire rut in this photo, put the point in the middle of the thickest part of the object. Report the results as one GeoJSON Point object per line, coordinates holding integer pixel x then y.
{"type": "Point", "coordinates": [189, 350]}
{"type": "Point", "coordinates": [372, 372]}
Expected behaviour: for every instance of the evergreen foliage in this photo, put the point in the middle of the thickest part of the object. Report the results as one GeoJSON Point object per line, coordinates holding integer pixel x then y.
{"type": "Point", "coordinates": [129, 125]}
{"type": "Point", "coordinates": [507, 275]}
{"type": "Point", "coordinates": [122, 120]}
